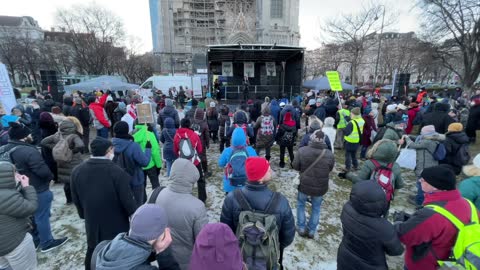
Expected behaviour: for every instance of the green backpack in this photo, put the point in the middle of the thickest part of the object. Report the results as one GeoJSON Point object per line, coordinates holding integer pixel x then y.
{"type": "Point", "coordinates": [258, 235]}
{"type": "Point", "coordinates": [466, 250]}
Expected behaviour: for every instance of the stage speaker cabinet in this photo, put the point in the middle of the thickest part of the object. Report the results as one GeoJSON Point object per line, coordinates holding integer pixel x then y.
{"type": "Point", "coordinates": [402, 80]}
{"type": "Point", "coordinates": [49, 81]}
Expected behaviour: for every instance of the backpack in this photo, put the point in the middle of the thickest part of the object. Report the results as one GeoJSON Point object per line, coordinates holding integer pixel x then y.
{"type": "Point", "coordinates": [4, 137]}
{"type": "Point", "coordinates": [266, 127]}
{"type": "Point", "coordinates": [440, 152]}
{"type": "Point", "coordinates": [462, 156]}
{"type": "Point", "coordinates": [287, 138]}
{"type": "Point", "coordinates": [258, 234]}
{"type": "Point", "coordinates": [465, 253]}
{"type": "Point", "coordinates": [186, 149]}
{"type": "Point", "coordinates": [383, 175]}
{"type": "Point", "coordinates": [382, 132]}
{"type": "Point", "coordinates": [61, 152]}
{"type": "Point", "coordinates": [235, 169]}
{"type": "Point", "coordinates": [197, 128]}
{"type": "Point", "coordinates": [127, 164]}
{"type": "Point", "coordinates": [7, 155]}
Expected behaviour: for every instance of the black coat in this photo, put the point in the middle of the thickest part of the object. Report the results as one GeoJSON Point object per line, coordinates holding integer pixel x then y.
{"type": "Point", "coordinates": [102, 195]}
{"type": "Point", "coordinates": [258, 196]}
{"type": "Point", "coordinates": [367, 236]}
{"type": "Point", "coordinates": [438, 117]}
{"type": "Point", "coordinates": [168, 112]}
{"type": "Point", "coordinates": [473, 123]}
{"type": "Point", "coordinates": [29, 161]}
{"type": "Point", "coordinates": [453, 141]}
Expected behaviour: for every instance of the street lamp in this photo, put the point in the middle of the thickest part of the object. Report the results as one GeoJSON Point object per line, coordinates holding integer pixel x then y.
{"type": "Point", "coordinates": [379, 45]}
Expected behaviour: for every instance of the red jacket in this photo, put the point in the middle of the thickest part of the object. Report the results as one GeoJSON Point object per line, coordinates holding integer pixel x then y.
{"type": "Point", "coordinates": [412, 113]}
{"type": "Point", "coordinates": [99, 111]}
{"type": "Point", "coordinates": [194, 139]}
{"type": "Point", "coordinates": [427, 232]}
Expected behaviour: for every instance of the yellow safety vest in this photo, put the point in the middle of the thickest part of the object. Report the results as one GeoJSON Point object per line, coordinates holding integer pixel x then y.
{"type": "Point", "coordinates": [342, 123]}
{"type": "Point", "coordinates": [354, 137]}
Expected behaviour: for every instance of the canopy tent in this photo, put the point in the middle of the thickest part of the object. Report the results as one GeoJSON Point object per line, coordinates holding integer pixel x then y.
{"type": "Point", "coordinates": [323, 84]}
{"type": "Point", "coordinates": [103, 82]}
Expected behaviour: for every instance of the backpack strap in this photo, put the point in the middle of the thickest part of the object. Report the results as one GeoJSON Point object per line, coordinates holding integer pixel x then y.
{"type": "Point", "coordinates": [155, 193]}
{"type": "Point", "coordinates": [315, 162]}
{"type": "Point", "coordinates": [244, 205]}
{"type": "Point", "coordinates": [274, 201]}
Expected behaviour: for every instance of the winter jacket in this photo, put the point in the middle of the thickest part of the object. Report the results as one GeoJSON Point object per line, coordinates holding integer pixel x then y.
{"type": "Point", "coordinates": [66, 131]}
{"type": "Point", "coordinates": [204, 132]}
{"type": "Point", "coordinates": [258, 196]}
{"type": "Point", "coordinates": [314, 182]}
{"type": "Point", "coordinates": [212, 119]}
{"type": "Point", "coordinates": [453, 142]}
{"type": "Point", "coordinates": [427, 233]}
{"type": "Point", "coordinates": [168, 112]}
{"type": "Point", "coordinates": [16, 206]}
{"type": "Point", "coordinates": [141, 136]}
{"type": "Point", "coordinates": [125, 252]}
{"type": "Point", "coordinates": [470, 189]}
{"type": "Point", "coordinates": [166, 137]}
{"type": "Point", "coordinates": [391, 133]}
{"type": "Point", "coordinates": [384, 152]}
{"type": "Point", "coordinates": [82, 113]}
{"type": "Point", "coordinates": [282, 130]}
{"type": "Point", "coordinates": [367, 236]}
{"type": "Point", "coordinates": [367, 130]}
{"type": "Point", "coordinates": [107, 206]}
{"type": "Point", "coordinates": [98, 113]}
{"type": "Point", "coordinates": [186, 214]}
{"type": "Point", "coordinates": [194, 140]}
{"type": "Point", "coordinates": [67, 106]}
{"type": "Point", "coordinates": [240, 118]}
{"type": "Point", "coordinates": [191, 113]}
{"type": "Point", "coordinates": [223, 120]}
{"type": "Point", "coordinates": [412, 113]}
{"type": "Point", "coordinates": [438, 117]}
{"type": "Point", "coordinates": [295, 115]}
{"type": "Point", "coordinates": [473, 123]}
{"type": "Point", "coordinates": [320, 113]}
{"type": "Point", "coordinates": [239, 140]}
{"type": "Point", "coordinates": [425, 147]}
{"type": "Point", "coordinates": [306, 139]}
{"type": "Point", "coordinates": [275, 110]}
{"type": "Point", "coordinates": [223, 254]}
{"type": "Point", "coordinates": [135, 153]}
{"type": "Point", "coordinates": [330, 137]}
{"type": "Point", "coordinates": [29, 161]}
{"type": "Point", "coordinates": [264, 140]}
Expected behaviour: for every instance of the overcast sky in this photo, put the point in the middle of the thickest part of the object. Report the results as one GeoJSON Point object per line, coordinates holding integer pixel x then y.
{"type": "Point", "coordinates": [136, 16]}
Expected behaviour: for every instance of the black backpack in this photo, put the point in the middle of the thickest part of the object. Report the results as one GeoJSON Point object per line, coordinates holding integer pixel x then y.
{"type": "Point", "coordinates": [126, 163]}
{"type": "Point", "coordinates": [381, 133]}
{"type": "Point", "coordinates": [154, 195]}
{"type": "Point", "coordinates": [462, 156]}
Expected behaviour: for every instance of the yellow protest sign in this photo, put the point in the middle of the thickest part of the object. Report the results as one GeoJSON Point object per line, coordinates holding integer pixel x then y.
{"type": "Point", "coordinates": [334, 80]}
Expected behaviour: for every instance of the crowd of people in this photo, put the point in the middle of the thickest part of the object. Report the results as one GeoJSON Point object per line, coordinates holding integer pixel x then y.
{"type": "Point", "coordinates": [105, 177]}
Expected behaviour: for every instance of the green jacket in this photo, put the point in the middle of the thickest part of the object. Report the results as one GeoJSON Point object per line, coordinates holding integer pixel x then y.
{"type": "Point", "coordinates": [142, 136]}
{"type": "Point", "coordinates": [385, 152]}
{"type": "Point", "coordinates": [470, 189]}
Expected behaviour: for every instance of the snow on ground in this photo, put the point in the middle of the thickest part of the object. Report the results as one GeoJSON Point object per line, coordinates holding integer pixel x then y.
{"type": "Point", "coordinates": [318, 254]}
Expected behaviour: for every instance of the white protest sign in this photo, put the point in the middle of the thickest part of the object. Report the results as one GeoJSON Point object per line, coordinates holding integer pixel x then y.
{"type": "Point", "coordinates": [7, 97]}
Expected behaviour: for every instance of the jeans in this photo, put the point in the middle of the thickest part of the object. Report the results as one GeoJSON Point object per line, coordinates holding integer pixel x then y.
{"type": "Point", "coordinates": [22, 257]}
{"type": "Point", "coordinates": [351, 157]}
{"type": "Point", "coordinates": [169, 166]}
{"type": "Point", "coordinates": [103, 132]}
{"type": "Point", "coordinates": [314, 217]}
{"type": "Point", "coordinates": [419, 198]}
{"type": "Point", "coordinates": [42, 218]}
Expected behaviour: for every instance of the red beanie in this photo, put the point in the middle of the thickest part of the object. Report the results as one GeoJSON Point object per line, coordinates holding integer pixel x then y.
{"type": "Point", "coordinates": [256, 168]}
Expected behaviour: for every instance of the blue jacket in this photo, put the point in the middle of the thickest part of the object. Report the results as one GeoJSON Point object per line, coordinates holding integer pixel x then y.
{"type": "Point", "coordinates": [135, 153]}
{"type": "Point", "coordinates": [166, 137]}
{"type": "Point", "coordinates": [275, 110]}
{"type": "Point", "coordinates": [238, 140]}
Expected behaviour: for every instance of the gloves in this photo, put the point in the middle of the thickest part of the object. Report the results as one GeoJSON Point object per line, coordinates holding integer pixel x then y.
{"type": "Point", "coordinates": [148, 145]}
{"type": "Point", "coordinates": [342, 175]}
{"type": "Point", "coordinates": [401, 216]}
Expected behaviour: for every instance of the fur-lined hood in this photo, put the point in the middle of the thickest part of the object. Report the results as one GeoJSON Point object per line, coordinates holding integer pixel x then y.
{"type": "Point", "coordinates": [471, 170]}
{"type": "Point", "coordinates": [434, 137]}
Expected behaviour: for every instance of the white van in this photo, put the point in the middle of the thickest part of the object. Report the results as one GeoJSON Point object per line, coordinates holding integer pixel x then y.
{"type": "Point", "coordinates": [165, 82]}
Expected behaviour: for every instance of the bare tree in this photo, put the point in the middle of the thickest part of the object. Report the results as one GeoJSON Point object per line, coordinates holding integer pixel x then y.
{"type": "Point", "coordinates": [95, 32]}
{"type": "Point", "coordinates": [454, 25]}
{"type": "Point", "coordinates": [10, 53]}
{"type": "Point", "coordinates": [31, 60]}
{"type": "Point", "coordinates": [352, 31]}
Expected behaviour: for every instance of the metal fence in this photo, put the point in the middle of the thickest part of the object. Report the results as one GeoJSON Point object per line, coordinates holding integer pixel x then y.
{"type": "Point", "coordinates": [236, 92]}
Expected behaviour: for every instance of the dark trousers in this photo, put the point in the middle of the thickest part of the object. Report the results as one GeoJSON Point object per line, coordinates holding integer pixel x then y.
{"type": "Point", "coordinates": [282, 153]}
{"type": "Point", "coordinates": [213, 135]}
{"type": "Point", "coordinates": [363, 151]}
{"type": "Point", "coordinates": [139, 195]}
{"type": "Point", "coordinates": [202, 192]}
{"type": "Point", "coordinates": [88, 257]}
{"type": "Point", "coordinates": [351, 157]}
{"type": "Point", "coordinates": [68, 192]}
{"type": "Point", "coordinates": [267, 152]}
{"type": "Point", "coordinates": [152, 174]}
{"type": "Point", "coordinates": [224, 142]}
{"type": "Point", "coordinates": [103, 132]}
{"type": "Point", "coordinates": [86, 139]}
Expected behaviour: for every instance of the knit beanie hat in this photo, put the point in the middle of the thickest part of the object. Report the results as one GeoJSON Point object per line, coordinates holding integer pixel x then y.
{"type": "Point", "coordinates": [18, 131]}
{"type": "Point", "coordinates": [315, 123]}
{"type": "Point", "coordinates": [311, 102]}
{"type": "Point", "coordinates": [168, 102]}
{"type": "Point", "coordinates": [319, 100]}
{"type": "Point", "coordinates": [148, 222]}
{"type": "Point", "coordinates": [317, 136]}
{"type": "Point", "coordinates": [121, 129]}
{"type": "Point", "coordinates": [440, 177]}
{"type": "Point", "coordinates": [455, 127]}
{"type": "Point", "coordinates": [427, 129]}
{"type": "Point", "coordinates": [99, 146]}
{"type": "Point", "coordinates": [355, 111]}
{"type": "Point", "coordinates": [329, 122]}
{"type": "Point", "coordinates": [194, 102]}
{"type": "Point", "coordinates": [256, 168]}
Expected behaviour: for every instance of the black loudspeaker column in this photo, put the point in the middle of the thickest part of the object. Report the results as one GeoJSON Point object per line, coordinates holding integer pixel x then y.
{"type": "Point", "coordinates": [49, 81]}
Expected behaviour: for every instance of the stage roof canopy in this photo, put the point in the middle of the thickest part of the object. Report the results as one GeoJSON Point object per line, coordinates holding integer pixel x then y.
{"type": "Point", "coordinates": [252, 53]}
